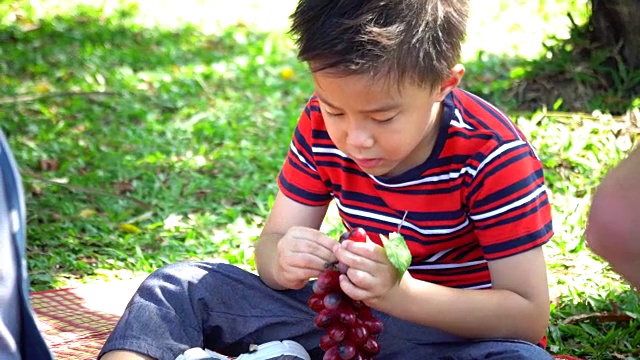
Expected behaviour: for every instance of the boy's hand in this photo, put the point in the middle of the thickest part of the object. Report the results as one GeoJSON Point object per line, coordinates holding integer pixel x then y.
{"type": "Point", "coordinates": [370, 275]}
{"type": "Point", "coordinates": [302, 254]}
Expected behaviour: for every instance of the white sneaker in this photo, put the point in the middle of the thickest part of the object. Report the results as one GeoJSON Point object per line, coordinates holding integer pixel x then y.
{"type": "Point", "coordinates": [281, 350]}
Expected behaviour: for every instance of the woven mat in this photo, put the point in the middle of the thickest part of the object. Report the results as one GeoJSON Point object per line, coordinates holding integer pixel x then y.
{"type": "Point", "coordinates": [76, 322]}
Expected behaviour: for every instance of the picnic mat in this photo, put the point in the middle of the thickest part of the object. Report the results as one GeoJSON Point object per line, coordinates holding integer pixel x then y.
{"type": "Point", "coordinates": [76, 322]}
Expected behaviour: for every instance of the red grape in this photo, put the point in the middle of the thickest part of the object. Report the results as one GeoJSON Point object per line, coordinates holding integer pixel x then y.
{"type": "Point", "coordinates": [326, 342]}
{"type": "Point", "coordinates": [346, 350]}
{"type": "Point", "coordinates": [337, 332]}
{"type": "Point", "coordinates": [358, 235]}
{"type": "Point", "coordinates": [331, 354]}
{"type": "Point", "coordinates": [325, 318]}
{"type": "Point", "coordinates": [346, 315]}
{"type": "Point", "coordinates": [358, 334]}
{"type": "Point", "coordinates": [371, 346]}
{"type": "Point", "coordinates": [328, 280]}
{"type": "Point", "coordinates": [332, 300]}
{"type": "Point", "coordinates": [315, 302]}
{"type": "Point", "coordinates": [373, 325]}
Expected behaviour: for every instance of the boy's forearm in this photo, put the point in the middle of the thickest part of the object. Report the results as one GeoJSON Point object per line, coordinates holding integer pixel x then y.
{"type": "Point", "coordinates": [266, 259]}
{"type": "Point", "coordinates": [467, 313]}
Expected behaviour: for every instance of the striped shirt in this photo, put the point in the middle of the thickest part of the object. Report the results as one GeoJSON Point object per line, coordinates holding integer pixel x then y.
{"type": "Point", "coordinates": [479, 196]}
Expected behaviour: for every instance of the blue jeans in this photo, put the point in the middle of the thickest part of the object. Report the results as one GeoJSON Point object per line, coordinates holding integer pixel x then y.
{"type": "Point", "coordinates": [19, 334]}
{"type": "Point", "coordinates": [224, 308]}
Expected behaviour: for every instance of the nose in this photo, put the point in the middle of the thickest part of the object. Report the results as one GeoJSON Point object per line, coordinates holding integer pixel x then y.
{"type": "Point", "coordinates": [358, 136]}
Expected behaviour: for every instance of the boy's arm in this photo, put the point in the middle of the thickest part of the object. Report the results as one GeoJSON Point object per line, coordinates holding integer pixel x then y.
{"type": "Point", "coordinates": [290, 249]}
{"type": "Point", "coordinates": [517, 307]}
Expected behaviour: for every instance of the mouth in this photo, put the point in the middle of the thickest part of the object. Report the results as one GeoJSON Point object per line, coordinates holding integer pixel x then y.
{"type": "Point", "coordinates": [368, 163]}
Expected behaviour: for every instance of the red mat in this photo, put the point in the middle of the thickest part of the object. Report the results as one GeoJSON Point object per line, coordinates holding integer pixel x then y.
{"type": "Point", "coordinates": [76, 322]}
{"type": "Point", "coordinates": [71, 330]}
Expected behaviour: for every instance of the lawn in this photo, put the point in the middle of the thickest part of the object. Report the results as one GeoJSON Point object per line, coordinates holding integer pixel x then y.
{"type": "Point", "coordinates": [150, 133]}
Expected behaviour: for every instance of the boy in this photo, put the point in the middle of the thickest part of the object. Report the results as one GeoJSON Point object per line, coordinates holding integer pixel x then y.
{"type": "Point", "coordinates": [613, 217]}
{"type": "Point", "coordinates": [19, 335]}
{"type": "Point", "coordinates": [391, 140]}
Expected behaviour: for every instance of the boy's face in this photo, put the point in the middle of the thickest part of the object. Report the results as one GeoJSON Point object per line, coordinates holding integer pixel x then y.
{"type": "Point", "coordinates": [384, 128]}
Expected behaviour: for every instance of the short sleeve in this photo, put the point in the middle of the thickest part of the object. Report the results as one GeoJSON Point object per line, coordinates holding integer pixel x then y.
{"type": "Point", "coordinates": [299, 178]}
{"type": "Point", "coordinates": [508, 201]}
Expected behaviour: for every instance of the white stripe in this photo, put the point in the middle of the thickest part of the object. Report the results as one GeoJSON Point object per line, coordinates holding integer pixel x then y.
{"type": "Point", "coordinates": [397, 221]}
{"type": "Point", "coordinates": [512, 205]}
{"type": "Point", "coordinates": [437, 256]}
{"type": "Point", "coordinates": [447, 266]}
{"type": "Point", "coordinates": [15, 221]}
{"type": "Point", "coordinates": [499, 151]}
{"type": "Point", "coordinates": [429, 179]}
{"type": "Point", "coordinates": [301, 158]}
{"type": "Point", "coordinates": [460, 123]}
{"type": "Point", "coordinates": [483, 286]}
{"type": "Point", "coordinates": [336, 151]}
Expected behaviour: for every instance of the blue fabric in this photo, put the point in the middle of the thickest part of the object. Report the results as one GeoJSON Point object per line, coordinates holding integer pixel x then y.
{"type": "Point", "coordinates": [225, 309]}
{"type": "Point", "coordinates": [25, 334]}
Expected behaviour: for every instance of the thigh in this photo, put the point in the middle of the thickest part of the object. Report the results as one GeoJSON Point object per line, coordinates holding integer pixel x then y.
{"type": "Point", "coordinates": [485, 349]}
{"type": "Point", "coordinates": [246, 311]}
{"type": "Point", "coordinates": [406, 340]}
{"type": "Point", "coordinates": [217, 306]}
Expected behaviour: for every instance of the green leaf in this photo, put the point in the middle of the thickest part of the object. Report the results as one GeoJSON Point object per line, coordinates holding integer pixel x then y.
{"type": "Point", "coordinates": [398, 252]}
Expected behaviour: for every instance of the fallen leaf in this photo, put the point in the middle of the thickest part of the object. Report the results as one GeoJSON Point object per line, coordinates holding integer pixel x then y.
{"type": "Point", "coordinates": [85, 213]}
{"type": "Point", "coordinates": [49, 165]}
{"type": "Point", "coordinates": [124, 186]}
{"type": "Point", "coordinates": [129, 228]}
{"type": "Point", "coordinates": [599, 317]}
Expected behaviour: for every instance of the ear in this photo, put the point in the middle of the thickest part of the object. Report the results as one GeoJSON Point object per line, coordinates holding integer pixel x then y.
{"type": "Point", "coordinates": [450, 83]}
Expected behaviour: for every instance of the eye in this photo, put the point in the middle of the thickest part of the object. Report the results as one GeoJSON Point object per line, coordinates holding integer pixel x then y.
{"type": "Point", "coordinates": [332, 114]}
{"type": "Point", "coordinates": [386, 120]}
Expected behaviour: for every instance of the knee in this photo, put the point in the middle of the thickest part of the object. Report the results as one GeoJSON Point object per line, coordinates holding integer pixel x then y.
{"type": "Point", "coordinates": [185, 274]}
{"type": "Point", "coordinates": [527, 351]}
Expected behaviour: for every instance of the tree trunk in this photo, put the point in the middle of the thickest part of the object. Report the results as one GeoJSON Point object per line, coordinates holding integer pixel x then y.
{"type": "Point", "coordinates": [617, 23]}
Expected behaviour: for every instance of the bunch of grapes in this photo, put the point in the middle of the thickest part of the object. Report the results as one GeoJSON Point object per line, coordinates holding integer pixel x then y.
{"type": "Point", "coordinates": [351, 327]}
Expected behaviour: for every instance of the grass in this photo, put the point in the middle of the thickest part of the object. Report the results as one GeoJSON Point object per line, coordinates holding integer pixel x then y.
{"type": "Point", "coordinates": [142, 145]}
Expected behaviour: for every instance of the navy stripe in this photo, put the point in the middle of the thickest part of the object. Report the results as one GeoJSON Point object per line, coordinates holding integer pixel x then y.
{"type": "Point", "coordinates": [469, 135]}
{"type": "Point", "coordinates": [302, 144]}
{"type": "Point", "coordinates": [489, 174]}
{"type": "Point", "coordinates": [520, 241]}
{"type": "Point", "coordinates": [303, 169]}
{"type": "Point", "coordinates": [321, 135]}
{"type": "Point", "coordinates": [496, 197]}
{"type": "Point", "coordinates": [515, 218]}
{"type": "Point", "coordinates": [313, 197]}
{"type": "Point", "coordinates": [467, 270]}
{"type": "Point", "coordinates": [437, 191]}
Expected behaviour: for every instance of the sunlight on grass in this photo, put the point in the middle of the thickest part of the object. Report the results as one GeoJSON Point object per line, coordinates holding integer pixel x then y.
{"type": "Point", "coordinates": [511, 27]}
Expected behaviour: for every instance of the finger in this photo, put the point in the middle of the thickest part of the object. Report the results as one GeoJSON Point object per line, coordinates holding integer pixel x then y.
{"type": "Point", "coordinates": [369, 250]}
{"type": "Point", "coordinates": [352, 291]}
{"type": "Point", "coordinates": [353, 260]}
{"type": "Point", "coordinates": [313, 241]}
{"type": "Point", "coordinates": [304, 260]}
{"type": "Point", "coordinates": [360, 278]}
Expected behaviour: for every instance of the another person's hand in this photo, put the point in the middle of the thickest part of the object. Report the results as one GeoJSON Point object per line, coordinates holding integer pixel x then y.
{"type": "Point", "coordinates": [370, 275]}
{"type": "Point", "coordinates": [302, 254]}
